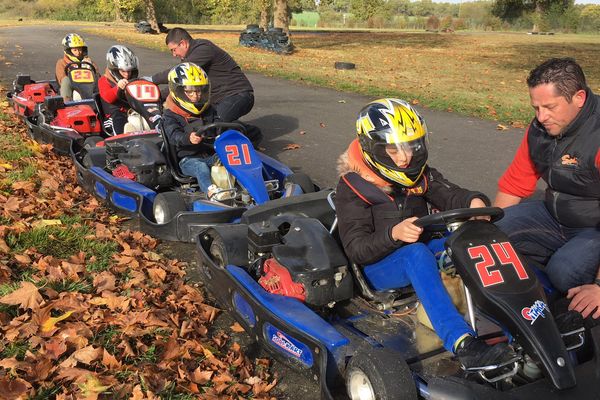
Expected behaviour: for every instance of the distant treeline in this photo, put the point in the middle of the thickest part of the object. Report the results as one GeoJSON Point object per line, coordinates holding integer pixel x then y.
{"type": "Point", "coordinates": [558, 15]}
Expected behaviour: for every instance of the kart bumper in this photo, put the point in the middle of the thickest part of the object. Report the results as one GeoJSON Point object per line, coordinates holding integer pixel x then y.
{"type": "Point", "coordinates": [60, 140]}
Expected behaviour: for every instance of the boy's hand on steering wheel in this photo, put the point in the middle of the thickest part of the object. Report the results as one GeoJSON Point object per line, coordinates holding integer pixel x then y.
{"type": "Point", "coordinates": [406, 231]}
{"type": "Point", "coordinates": [585, 299]}
{"type": "Point", "coordinates": [195, 138]}
{"type": "Point", "coordinates": [122, 83]}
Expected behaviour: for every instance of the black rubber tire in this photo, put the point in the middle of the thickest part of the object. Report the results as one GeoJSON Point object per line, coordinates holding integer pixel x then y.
{"type": "Point", "coordinates": [218, 253]}
{"type": "Point", "coordinates": [91, 141]}
{"type": "Point", "coordinates": [387, 373]}
{"type": "Point", "coordinates": [169, 204]}
{"type": "Point", "coordinates": [344, 65]}
{"type": "Point", "coordinates": [302, 180]}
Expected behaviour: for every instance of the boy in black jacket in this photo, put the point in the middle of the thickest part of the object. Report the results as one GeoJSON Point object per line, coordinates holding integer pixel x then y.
{"type": "Point", "coordinates": [385, 185]}
{"type": "Point", "coordinates": [189, 101]}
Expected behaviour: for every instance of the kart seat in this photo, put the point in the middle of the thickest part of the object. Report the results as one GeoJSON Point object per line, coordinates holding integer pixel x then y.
{"type": "Point", "coordinates": [384, 298]}
{"type": "Point", "coordinates": [172, 160]}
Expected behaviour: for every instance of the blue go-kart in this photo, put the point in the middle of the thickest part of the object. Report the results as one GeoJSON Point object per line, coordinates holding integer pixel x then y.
{"type": "Point", "coordinates": [138, 173]}
{"type": "Point", "coordinates": [287, 281]}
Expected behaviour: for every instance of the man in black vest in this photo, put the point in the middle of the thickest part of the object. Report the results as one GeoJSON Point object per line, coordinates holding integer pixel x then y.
{"type": "Point", "coordinates": [562, 147]}
{"type": "Point", "coordinates": [231, 93]}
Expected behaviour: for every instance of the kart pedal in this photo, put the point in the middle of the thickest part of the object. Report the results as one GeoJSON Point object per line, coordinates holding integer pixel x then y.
{"type": "Point", "coordinates": [497, 372]}
{"type": "Point", "coordinates": [574, 339]}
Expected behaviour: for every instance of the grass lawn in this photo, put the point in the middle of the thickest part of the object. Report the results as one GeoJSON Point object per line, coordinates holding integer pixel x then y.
{"type": "Point", "coordinates": [474, 73]}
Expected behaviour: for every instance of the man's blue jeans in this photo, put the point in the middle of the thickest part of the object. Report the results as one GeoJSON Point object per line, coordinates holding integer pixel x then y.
{"type": "Point", "coordinates": [416, 264]}
{"type": "Point", "coordinates": [571, 255]}
{"type": "Point", "coordinates": [199, 168]}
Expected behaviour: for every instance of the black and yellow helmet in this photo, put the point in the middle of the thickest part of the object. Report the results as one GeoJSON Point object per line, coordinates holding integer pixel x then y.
{"type": "Point", "coordinates": [388, 125]}
{"type": "Point", "coordinates": [73, 40]}
{"type": "Point", "coordinates": [188, 77]}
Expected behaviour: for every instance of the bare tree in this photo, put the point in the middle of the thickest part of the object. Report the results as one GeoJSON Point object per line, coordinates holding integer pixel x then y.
{"type": "Point", "coordinates": [280, 17]}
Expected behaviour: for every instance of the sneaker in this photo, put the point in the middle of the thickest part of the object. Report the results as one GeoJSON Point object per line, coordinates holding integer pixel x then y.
{"type": "Point", "coordinates": [475, 354]}
{"type": "Point", "coordinates": [212, 191]}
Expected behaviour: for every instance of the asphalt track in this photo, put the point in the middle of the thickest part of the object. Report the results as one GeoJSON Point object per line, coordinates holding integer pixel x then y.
{"type": "Point", "coordinates": [471, 152]}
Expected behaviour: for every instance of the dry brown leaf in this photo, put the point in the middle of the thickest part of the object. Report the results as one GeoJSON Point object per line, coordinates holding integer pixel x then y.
{"type": "Point", "coordinates": [16, 388]}
{"type": "Point", "coordinates": [501, 127]}
{"type": "Point", "coordinates": [105, 281]}
{"type": "Point", "coordinates": [87, 355]}
{"type": "Point", "coordinates": [237, 328]}
{"type": "Point", "coordinates": [23, 259]}
{"type": "Point", "coordinates": [322, 124]}
{"type": "Point", "coordinates": [291, 146]}
{"type": "Point", "coordinates": [26, 297]}
{"type": "Point", "coordinates": [110, 361]}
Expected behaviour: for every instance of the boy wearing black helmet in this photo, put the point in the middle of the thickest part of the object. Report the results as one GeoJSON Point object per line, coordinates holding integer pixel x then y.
{"type": "Point", "coordinates": [385, 185]}
{"type": "Point", "coordinates": [121, 67]}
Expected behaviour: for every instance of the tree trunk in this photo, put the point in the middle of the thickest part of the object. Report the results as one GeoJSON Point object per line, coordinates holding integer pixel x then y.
{"type": "Point", "coordinates": [118, 14]}
{"type": "Point", "coordinates": [266, 7]}
{"type": "Point", "coordinates": [151, 15]}
{"type": "Point", "coordinates": [538, 17]}
{"type": "Point", "coordinates": [280, 17]}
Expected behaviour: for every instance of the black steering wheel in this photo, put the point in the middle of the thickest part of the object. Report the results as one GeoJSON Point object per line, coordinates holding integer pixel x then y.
{"type": "Point", "coordinates": [80, 65]}
{"type": "Point", "coordinates": [440, 220]}
{"type": "Point", "coordinates": [212, 130]}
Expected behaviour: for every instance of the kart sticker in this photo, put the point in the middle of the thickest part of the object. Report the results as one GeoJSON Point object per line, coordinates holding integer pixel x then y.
{"type": "Point", "coordinates": [288, 345]}
{"type": "Point", "coordinates": [233, 154]}
{"type": "Point", "coordinates": [505, 253]}
{"type": "Point", "coordinates": [144, 92]}
{"type": "Point", "coordinates": [534, 312]}
{"type": "Point", "coordinates": [83, 75]}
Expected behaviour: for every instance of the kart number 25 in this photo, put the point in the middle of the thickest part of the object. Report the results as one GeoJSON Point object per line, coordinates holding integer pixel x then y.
{"type": "Point", "coordinates": [234, 153]}
{"type": "Point", "coordinates": [505, 253]}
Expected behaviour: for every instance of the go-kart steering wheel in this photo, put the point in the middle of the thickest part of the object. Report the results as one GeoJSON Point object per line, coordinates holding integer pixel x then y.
{"type": "Point", "coordinates": [215, 128]}
{"type": "Point", "coordinates": [80, 65]}
{"type": "Point", "coordinates": [441, 220]}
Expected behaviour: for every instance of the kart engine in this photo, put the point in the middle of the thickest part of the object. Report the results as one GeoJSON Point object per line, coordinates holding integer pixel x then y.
{"type": "Point", "coordinates": [303, 260]}
{"type": "Point", "coordinates": [138, 159]}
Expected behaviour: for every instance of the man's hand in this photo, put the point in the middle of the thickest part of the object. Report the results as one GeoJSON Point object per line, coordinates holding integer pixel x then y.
{"type": "Point", "coordinates": [122, 83]}
{"type": "Point", "coordinates": [195, 138]}
{"type": "Point", "coordinates": [407, 231]}
{"type": "Point", "coordinates": [586, 300]}
{"type": "Point", "coordinates": [478, 203]}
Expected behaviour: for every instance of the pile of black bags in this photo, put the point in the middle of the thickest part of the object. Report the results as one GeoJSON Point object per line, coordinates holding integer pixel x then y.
{"type": "Point", "coordinates": [275, 39]}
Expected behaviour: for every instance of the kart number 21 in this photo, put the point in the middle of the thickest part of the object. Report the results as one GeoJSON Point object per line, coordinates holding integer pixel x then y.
{"type": "Point", "coordinates": [233, 154]}
{"type": "Point", "coordinates": [506, 255]}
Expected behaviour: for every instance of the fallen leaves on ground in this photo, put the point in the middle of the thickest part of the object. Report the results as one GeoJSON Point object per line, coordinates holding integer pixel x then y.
{"type": "Point", "coordinates": [501, 127]}
{"type": "Point", "coordinates": [135, 329]}
{"type": "Point", "coordinates": [291, 146]}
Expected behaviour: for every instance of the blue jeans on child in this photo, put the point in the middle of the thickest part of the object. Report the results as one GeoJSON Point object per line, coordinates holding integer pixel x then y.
{"type": "Point", "coordinates": [416, 264]}
{"type": "Point", "coordinates": [199, 168]}
{"type": "Point", "coordinates": [571, 255]}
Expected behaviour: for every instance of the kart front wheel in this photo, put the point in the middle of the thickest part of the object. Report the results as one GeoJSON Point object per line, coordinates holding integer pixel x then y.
{"type": "Point", "coordinates": [167, 205]}
{"type": "Point", "coordinates": [302, 180]}
{"type": "Point", "coordinates": [378, 374]}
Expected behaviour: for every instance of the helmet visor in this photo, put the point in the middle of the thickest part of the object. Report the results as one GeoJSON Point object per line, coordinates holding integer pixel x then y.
{"type": "Point", "coordinates": [402, 156]}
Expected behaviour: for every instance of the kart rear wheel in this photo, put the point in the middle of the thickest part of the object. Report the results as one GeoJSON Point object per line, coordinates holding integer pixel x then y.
{"type": "Point", "coordinates": [91, 141]}
{"type": "Point", "coordinates": [377, 374]}
{"type": "Point", "coordinates": [167, 205]}
{"type": "Point", "coordinates": [218, 253]}
{"type": "Point", "coordinates": [302, 180]}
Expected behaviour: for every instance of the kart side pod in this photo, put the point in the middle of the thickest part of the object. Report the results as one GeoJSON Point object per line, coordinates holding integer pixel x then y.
{"type": "Point", "coordinates": [505, 288]}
